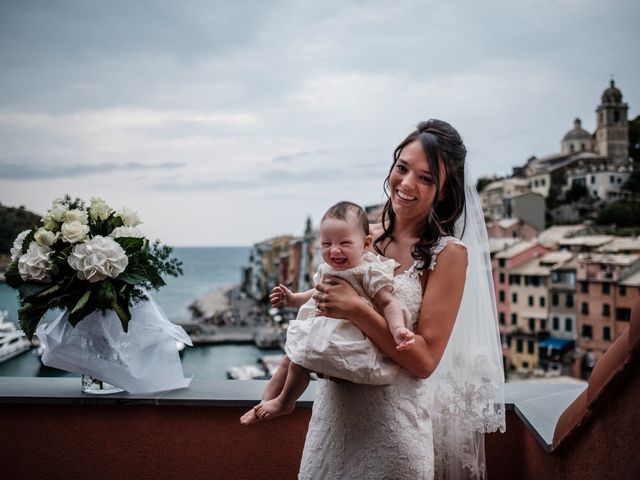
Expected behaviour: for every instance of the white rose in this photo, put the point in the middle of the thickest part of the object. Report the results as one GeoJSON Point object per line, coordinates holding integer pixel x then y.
{"type": "Point", "coordinates": [129, 217]}
{"type": "Point", "coordinates": [77, 215]}
{"type": "Point", "coordinates": [16, 250]}
{"type": "Point", "coordinates": [44, 237]}
{"type": "Point", "coordinates": [73, 232]}
{"type": "Point", "coordinates": [58, 211]}
{"type": "Point", "coordinates": [50, 224]}
{"type": "Point", "coordinates": [99, 209]}
{"type": "Point", "coordinates": [36, 264]}
{"type": "Point", "coordinates": [126, 232]}
{"type": "Point", "coordinates": [98, 258]}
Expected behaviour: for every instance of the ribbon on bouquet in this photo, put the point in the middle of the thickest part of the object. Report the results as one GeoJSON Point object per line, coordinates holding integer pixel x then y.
{"type": "Point", "coordinates": [143, 360]}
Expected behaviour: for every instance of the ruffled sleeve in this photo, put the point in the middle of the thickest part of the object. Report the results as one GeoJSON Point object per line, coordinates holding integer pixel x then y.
{"type": "Point", "coordinates": [377, 274]}
{"type": "Point", "coordinates": [321, 272]}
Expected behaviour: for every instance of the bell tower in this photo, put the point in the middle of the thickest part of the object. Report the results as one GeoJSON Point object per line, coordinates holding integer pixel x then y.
{"type": "Point", "coordinates": [612, 134]}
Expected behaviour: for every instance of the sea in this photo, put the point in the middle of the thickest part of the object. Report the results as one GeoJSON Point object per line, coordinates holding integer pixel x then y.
{"type": "Point", "coordinates": [205, 269]}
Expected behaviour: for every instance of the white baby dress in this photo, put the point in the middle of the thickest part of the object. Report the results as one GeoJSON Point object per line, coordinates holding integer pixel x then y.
{"type": "Point", "coordinates": [336, 347]}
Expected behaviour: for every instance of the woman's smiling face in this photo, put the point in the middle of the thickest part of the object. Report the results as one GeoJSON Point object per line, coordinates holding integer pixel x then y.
{"type": "Point", "coordinates": [412, 184]}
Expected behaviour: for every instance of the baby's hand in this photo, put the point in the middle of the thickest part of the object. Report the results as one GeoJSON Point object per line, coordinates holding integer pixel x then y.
{"type": "Point", "coordinates": [404, 338]}
{"type": "Point", "coordinates": [281, 296]}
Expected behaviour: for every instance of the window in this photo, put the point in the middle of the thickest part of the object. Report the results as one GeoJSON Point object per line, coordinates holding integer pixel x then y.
{"type": "Point", "coordinates": [501, 296]}
{"type": "Point", "coordinates": [535, 281]}
{"type": "Point", "coordinates": [606, 310]}
{"type": "Point", "coordinates": [623, 290]}
{"type": "Point", "coordinates": [501, 277]}
{"type": "Point", "coordinates": [569, 302]}
{"type": "Point", "coordinates": [530, 347]}
{"type": "Point", "coordinates": [519, 348]}
{"type": "Point", "coordinates": [502, 318]}
{"type": "Point", "coordinates": [532, 324]}
{"type": "Point", "coordinates": [606, 333]}
{"type": "Point", "coordinates": [543, 182]}
{"type": "Point", "coordinates": [514, 297]}
{"type": "Point", "coordinates": [554, 299]}
{"type": "Point", "coordinates": [525, 364]}
{"type": "Point", "coordinates": [556, 323]}
{"type": "Point", "coordinates": [585, 308]}
{"type": "Point", "coordinates": [502, 262]}
{"type": "Point", "coordinates": [543, 324]}
{"type": "Point", "coordinates": [593, 179]}
{"type": "Point", "coordinates": [606, 288]}
{"type": "Point", "coordinates": [586, 332]}
{"type": "Point", "coordinates": [514, 318]}
{"type": "Point", "coordinates": [531, 300]}
{"type": "Point", "coordinates": [514, 279]}
{"type": "Point", "coordinates": [611, 179]}
{"type": "Point", "coordinates": [623, 314]}
{"type": "Point", "coordinates": [542, 301]}
{"type": "Point", "coordinates": [568, 324]}
{"type": "Point", "coordinates": [584, 287]}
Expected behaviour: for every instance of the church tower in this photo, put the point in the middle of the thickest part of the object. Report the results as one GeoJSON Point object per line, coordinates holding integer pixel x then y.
{"type": "Point", "coordinates": [612, 134]}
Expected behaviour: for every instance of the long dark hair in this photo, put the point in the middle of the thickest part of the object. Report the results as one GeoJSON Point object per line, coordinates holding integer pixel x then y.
{"type": "Point", "coordinates": [440, 141]}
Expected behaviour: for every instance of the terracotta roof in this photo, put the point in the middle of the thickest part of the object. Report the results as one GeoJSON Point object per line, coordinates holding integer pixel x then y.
{"type": "Point", "coordinates": [516, 249]}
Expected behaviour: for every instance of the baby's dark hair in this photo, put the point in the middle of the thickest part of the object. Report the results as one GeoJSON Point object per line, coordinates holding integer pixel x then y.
{"type": "Point", "coordinates": [340, 211]}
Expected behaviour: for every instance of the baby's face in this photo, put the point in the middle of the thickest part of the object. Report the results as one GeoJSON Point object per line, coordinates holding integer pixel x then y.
{"type": "Point", "coordinates": [342, 242]}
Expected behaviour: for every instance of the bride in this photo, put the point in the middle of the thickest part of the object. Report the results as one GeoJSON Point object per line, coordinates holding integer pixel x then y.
{"type": "Point", "coordinates": [432, 420]}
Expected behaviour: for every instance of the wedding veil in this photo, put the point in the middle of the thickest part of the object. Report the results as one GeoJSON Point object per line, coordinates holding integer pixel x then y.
{"type": "Point", "coordinates": [466, 391]}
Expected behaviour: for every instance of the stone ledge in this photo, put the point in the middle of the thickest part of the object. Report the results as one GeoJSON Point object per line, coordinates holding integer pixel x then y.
{"type": "Point", "coordinates": [539, 406]}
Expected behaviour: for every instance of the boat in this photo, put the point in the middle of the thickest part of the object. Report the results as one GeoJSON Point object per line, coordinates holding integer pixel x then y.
{"type": "Point", "coordinates": [245, 372]}
{"type": "Point", "coordinates": [13, 342]}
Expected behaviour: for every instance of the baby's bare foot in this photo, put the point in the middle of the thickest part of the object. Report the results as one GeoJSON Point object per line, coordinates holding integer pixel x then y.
{"type": "Point", "coordinates": [274, 408]}
{"type": "Point", "coordinates": [250, 417]}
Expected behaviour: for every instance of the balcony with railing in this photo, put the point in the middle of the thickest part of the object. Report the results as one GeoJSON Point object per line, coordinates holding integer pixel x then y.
{"type": "Point", "coordinates": [51, 430]}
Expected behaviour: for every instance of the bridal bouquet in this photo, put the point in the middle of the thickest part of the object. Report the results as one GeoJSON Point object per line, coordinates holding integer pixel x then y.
{"type": "Point", "coordinates": [84, 259]}
{"type": "Point", "coordinates": [97, 266]}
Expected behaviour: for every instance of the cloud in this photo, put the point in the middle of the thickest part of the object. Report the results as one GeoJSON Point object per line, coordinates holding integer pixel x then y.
{"type": "Point", "coordinates": [25, 171]}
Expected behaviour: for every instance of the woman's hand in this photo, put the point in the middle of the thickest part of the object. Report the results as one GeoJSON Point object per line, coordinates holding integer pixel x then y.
{"type": "Point", "coordinates": [335, 298]}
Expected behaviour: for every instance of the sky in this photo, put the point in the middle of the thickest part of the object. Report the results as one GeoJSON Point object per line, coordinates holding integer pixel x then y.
{"type": "Point", "coordinates": [230, 122]}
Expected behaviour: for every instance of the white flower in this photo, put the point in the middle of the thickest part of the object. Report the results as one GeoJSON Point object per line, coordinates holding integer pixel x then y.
{"type": "Point", "coordinates": [129, 217]}
{"type": "Point", "coordinates": [44, 237]}
{"type": "Point", "coordinates": [74, 232]}
{"type": "Point", "coordinates": [16, 250]}
{"type": "Point", "coordinates": [98, 258]}
{"type": "Point", "coordinates": [99, 209]}
{"type": "Point", "coordinates": [36, 264]}
{"type": "Point", "coordinates": [77, 215]}
{"type": "Point", "coordinates": [49, 223]}
{"type": "Point", "coordinates": [58, 211]}
{"type": "Point", "coordinates": [126, 232]}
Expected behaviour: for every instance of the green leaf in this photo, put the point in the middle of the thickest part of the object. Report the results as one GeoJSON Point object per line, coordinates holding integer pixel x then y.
{"type": "Point", "coordinates": [29, 316]}
{"type": "Point", "coordinates": [131, 278]}
{"type": "Point", "coordinates": [12, 275]}
{"type": "Point", "coordinates": [106, 293]}
{"type": "Point", "coordinates": [123, 314]}
{"type": "Point", "coordinates": [52, 289]}
{"type": "Point", "coordinates": [82, 302]}
{"type": "Point", "coordinates": [130, 244]}
{"type": "Point", "coordinates": [28, 239]}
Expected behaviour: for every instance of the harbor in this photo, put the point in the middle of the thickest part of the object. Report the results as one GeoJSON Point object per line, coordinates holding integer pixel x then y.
{"type": "Point", "coordinates": [227, 329]}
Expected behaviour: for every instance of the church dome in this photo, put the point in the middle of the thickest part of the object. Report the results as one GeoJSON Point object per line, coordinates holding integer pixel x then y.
{"type": "Point", "coordinates": [612, 94]}
{"type": "Point", "coordinates": [578, 133]}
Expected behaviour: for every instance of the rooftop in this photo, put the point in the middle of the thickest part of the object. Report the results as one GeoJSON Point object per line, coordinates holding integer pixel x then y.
{"type": "Point", "coordinates": [516, 249]}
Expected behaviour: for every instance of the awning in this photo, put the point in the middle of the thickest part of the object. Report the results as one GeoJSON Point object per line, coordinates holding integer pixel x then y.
{"type": "Point", "coordinates": [557, 343]}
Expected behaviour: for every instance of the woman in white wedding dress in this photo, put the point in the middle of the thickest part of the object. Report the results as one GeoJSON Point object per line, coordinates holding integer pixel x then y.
{"type": "Point", "coordinates": [431, 421]}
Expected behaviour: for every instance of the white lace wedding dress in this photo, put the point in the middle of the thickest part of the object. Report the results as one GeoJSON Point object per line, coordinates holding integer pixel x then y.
{"type": "Point", "coordinates": [374, 432]}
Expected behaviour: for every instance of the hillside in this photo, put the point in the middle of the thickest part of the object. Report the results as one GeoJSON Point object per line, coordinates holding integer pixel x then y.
{"type": "Point", "coordinates": [13, 221]}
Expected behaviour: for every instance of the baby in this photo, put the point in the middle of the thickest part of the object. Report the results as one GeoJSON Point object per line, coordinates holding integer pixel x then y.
{"type": "Point", "coordinates": [330, 346]}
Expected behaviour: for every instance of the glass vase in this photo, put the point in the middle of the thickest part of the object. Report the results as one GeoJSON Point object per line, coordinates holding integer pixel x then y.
{"type": "Point", "coordinates": [95, 386]}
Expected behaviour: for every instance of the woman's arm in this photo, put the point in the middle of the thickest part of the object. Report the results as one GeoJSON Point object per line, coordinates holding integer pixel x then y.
{"type": "Point", "coordinates": [438, 311]}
